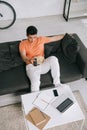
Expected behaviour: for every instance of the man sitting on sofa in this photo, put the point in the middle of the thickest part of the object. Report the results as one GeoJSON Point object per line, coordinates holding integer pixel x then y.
{"type": "Point", "coordinates": [32, 53]}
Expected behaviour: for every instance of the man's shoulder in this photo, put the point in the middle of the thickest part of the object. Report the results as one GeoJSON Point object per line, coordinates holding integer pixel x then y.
{"type": "Point", "coordinates": [24, 41]}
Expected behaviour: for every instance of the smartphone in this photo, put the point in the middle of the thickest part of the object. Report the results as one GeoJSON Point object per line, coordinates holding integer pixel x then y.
{"type": "Point", "coordinates": [55, 92]}
{"type": "Point", "coordinates": [35, 62]}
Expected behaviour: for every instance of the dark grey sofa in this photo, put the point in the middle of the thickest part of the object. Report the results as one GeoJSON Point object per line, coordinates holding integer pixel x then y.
{"type": "Point", "coordinates": [13, 77]}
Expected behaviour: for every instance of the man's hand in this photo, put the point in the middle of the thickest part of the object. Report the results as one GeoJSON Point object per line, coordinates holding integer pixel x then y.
{"type": "Point", "coordinates": [40, 59]}
{"type": "Point", "coordinates": [25, 58]}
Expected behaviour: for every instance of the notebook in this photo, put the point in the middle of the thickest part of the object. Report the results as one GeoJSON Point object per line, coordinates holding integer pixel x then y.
{"type": "Point", "coordinates": [37, 116]}
{"type": "Point", "coordinates": [41, 125]}
{"type": "Point", "coordinates": [42, 100]}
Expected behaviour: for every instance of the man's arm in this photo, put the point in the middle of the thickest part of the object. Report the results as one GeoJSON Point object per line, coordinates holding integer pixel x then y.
{"type": "Point", "coordinates": [24, 57]}
{"type": "Point", "coordinates": [55, 38]}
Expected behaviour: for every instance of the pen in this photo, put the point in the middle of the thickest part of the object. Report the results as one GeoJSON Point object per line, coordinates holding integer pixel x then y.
{"type": "Point", "coordinates": [44, 101]}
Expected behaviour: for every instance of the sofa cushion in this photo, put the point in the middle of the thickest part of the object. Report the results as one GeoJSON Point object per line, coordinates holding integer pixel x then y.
{"type": "Point", "coordinates": [5, 59]}
{"type": "Point", "coordinates": [14, 53]}
{"type": "Point", "coordinates": [68, 72]}
{"type": "Point", "coordinates": [4, 51]}
{"type": "Point", "coordinates": [46, 80]}
{"type": "Point", "coordinates": [70, 48]}
{"type": "Point", "coordinates": [51, 48]}
{"type": "Point", "coordinates": [14, 80]}
{"type": "Point", "coordinates": [9, 55]}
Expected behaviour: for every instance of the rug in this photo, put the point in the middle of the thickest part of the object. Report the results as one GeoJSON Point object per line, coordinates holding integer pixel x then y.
{"type": "Point", "coordinates": [11, 117]}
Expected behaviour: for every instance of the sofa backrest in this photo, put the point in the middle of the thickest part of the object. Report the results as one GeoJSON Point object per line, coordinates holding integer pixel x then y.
{"type": "Point", "coordinates": [9, 55]}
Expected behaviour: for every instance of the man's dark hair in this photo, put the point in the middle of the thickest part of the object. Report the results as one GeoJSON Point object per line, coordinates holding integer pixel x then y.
{"type": "Point", "coordinates": [31, 30]}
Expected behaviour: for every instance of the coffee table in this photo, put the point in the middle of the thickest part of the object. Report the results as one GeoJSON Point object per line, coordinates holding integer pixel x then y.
{"type": "Point", "coordinates": [73, 114]}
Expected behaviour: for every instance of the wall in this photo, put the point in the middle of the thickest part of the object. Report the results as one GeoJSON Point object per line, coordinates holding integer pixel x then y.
{"type": "Point", "coordinates": [37, 8]}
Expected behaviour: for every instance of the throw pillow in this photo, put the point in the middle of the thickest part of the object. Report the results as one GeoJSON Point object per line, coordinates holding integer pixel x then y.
{"type": "Point", "coordinates": [70, 48]}
{"type": "Point", "coordinates": [51, 48]}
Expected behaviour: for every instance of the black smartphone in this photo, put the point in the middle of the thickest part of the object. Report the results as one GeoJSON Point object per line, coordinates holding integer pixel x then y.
{"type": "Point", "coordinates": [35, 62]}
{"type": "Point", "coordinates": [65, 105]}
{"type": "Point", "coordinates": [55, 92]}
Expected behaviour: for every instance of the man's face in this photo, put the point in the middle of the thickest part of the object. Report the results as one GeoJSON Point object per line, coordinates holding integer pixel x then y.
{"type": "Point", "coordinates": [32, 38]}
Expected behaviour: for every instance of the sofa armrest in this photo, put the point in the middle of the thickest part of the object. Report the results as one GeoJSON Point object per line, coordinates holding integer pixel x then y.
{"type": "Point", "coordinates": [81, 59]}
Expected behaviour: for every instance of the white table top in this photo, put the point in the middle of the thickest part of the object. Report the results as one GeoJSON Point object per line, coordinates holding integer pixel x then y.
{"type": "Point", "coordinates": [74, 113]}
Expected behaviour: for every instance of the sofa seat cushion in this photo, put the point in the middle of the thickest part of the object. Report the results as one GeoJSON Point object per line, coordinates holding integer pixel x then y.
{"type": "Point", "coordinates": [46, 80]}
{"type": "Point", "coordinates": [68, 72]}
{"type": "Point", "coordinates": [13, 80]}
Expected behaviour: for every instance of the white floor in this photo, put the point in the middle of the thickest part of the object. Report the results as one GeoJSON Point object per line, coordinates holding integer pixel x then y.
{"type": "Point", "coordinates": [51, 25]}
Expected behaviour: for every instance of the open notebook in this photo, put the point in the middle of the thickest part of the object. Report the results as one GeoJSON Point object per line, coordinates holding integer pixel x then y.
{"type": "Point", "coordinates": [42, 100]}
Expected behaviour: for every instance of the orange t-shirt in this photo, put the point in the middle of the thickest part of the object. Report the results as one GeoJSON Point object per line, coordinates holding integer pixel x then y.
{"type": "Point", "coordinates": [34, 49]}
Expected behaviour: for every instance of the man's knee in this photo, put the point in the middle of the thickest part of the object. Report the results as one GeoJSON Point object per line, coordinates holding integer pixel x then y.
{"type": "Point", "coordinates": [53, 59]}
{"type": "Point", "coordinates": [35, 86]}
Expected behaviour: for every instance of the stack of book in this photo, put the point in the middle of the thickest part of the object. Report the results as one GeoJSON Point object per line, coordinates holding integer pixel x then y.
{"type": "Point", "coordinates": [38, 118]}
